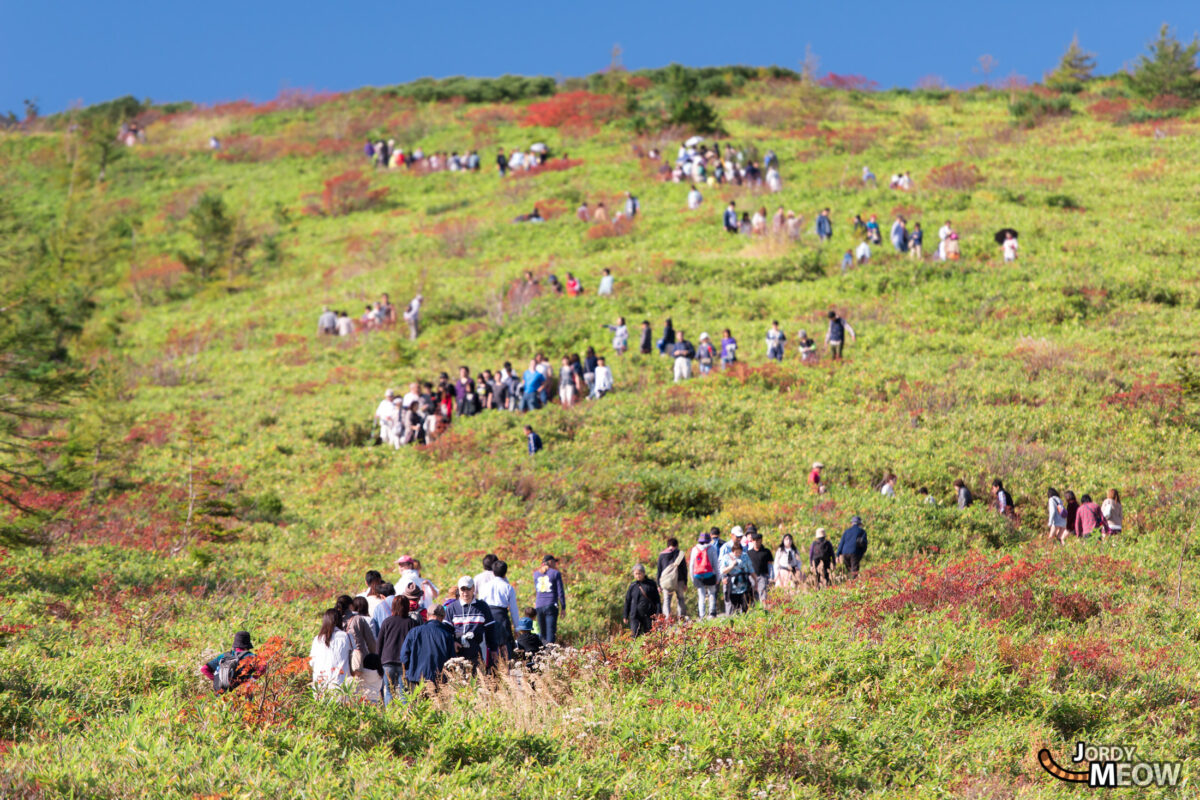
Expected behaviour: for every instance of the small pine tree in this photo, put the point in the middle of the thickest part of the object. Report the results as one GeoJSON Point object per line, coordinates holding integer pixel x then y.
{"type": "Point", "coordinates": [211, 226]}
{"type": "Point", "coordinates": [1170, 68]}
{"type": "Point", "coordinates": [1074, 69]}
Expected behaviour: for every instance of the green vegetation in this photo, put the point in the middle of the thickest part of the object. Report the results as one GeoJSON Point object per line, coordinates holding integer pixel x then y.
{"type": "Point", "coordinates": [201, 461]}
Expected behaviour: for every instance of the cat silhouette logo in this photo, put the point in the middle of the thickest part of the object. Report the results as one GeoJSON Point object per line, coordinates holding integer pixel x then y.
{"type": "Point", "coordinates": [1111, 766]}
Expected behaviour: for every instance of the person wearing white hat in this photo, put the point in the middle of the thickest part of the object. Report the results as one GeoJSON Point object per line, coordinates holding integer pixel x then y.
{"type": "Point", "coordinates": [388, 417]}
{"type": "Point", "coordinates": [820, 558]}
{"type": "Point", "coordinates": [735, 535]}
{"type": "Point", "coordinates": [474, 628]}
{"type": "Point", "coordinates": [706, 354]}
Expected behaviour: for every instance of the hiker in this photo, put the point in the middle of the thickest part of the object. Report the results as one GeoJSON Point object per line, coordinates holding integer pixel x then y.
{"type": "Point", "coordinates": [775, 341]}
{"type": "Point", "coordinates": [702, 561]}
{"type": "Point", "coordinates": [620, 340]}
{"type": "Point", "coordinates": [1010, 247]}
{"type": "Point", "coordinates": [528, 643]}
{"type": "Point", "coordinates": [330, 653]}
{"type": "Point", "coordinates": [345, 325]}
{"type": "Point", "coordinates": [862, 253]}
{"type": "Point", "coordinates": [888, 489]}
{"type": "Point", "coordinates": [1002, 499]}
{"type": "Point", "coordinates": [484, 576]}
{"type": "Point", "coordinates": [582, 214]}
{"type": "Point", "coordinates": [814, 478]}
{"type": "Point", "coordinates": [824, 226]}
{"type": "Point", "coordinates": [428, 647]}
{"type": "Point", "coordinates": [899, 235]}
{"type": "Point", "coordinates": [705, 354]}
{"type": "Point", "coordinates": [227, 670]}
{"type": "Point", "coordinates": [787, 564]}
{"type": "Point", "coordinates": [820, 559]}
{"type": "Point", "coordinates": [1088, 518]}
{"type": "Point", "coordinates": [737, 571]}
{"type": "Point", "coordinates": [730, 218]}
{"type": "Point", "coordinates": [868, 176]}
{"type": "Point", "coordinates": [474, 627]}
{"type": "Point", "coordinates": [807, 348]}
{"type": "Point", "coordinates": [683, 352]}
{"type": "Point", "coordinates": [672, 577]}
{"type": "Point", "coordinates": [853, 546]}
{"type": "Point", "coordinates": [642, 603]}
{"type": "Point", "coordinates": [383, 609]}
{"type": "Point", "coordinates": [667, 341]}
{"type": "Point", "coordinates": [373, 579]}
{"type": "Point", "coordinates": [532, 382]}
{"type": "Point", "coordinates": [412, 315]}
{"type": "Point", "coordinates": [465, 397]}
{"type": "Point", "coordinates": [501, 599]}
{"type": "Point", "coordinates": [1112, 512]}
{"type": "Point", "coordinates": [944, 234]}
{"type": "Point", "coordinates": [566, 383]}
{"type": "Point", "coordinates": [646, 343]}
{"type": "Point", "coordinates": [632, 206]}
{"type": "Point", "coordinates": [915, 239]}
{"type": "Point", "coordinates": [327, 323]}
{"type": "Point", "coordinates": [387, 311]}
{"type": "Point", "coordinates": [606, 283]}
{"type": "Point", "coordinates": [357, 624]}
{"type": "Point", "coordinates": [369, 680]}
{"type": "Point", "coordinates": [550, 599]}
{"type": "Point", "coordinates": [694, 198]}
{"type": "Point", "coordinates": [1057, 516]}
{"type": "Point", "coordinates": [574, 287]}
{"type": "Point", "coordinates": [962, 495]}
{"type": "Point", "coordinates": [874, 236]}
{"type": "Point", "coordinates": [502, 162]}
{"type": "Point", "coordinates": [534, 441]}
{"type": "Point", "coordinates": [836, 335]}
{"type": "Point", "coordinates": [728, 349]}
{"type": "Point", "coordinates": [762, 560]}
{"type": "Point", "coordinates": [392, 634]}
{"type": "Point", "coordinates": [847, 261]}
{"type": "Point", "coordinates": [930, 500]}
{"type": "Point", "coordinates": [604, 379]}
{"type": "Point", "coordinates": [1072, 505]}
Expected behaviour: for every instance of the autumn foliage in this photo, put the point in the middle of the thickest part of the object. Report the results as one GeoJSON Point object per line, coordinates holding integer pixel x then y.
{"type": "Point", "coordinates": [344, 194]}
{"type": "Point", "coordinates": [575, 110]}
{"type": "Point", "coordinates": [956, 175]}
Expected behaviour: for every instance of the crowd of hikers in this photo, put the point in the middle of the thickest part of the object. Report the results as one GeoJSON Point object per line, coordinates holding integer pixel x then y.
{"type": "Point", "coordinates": [378, 315]}
{"type": "Point", "coordinates": [385, 154]}
{"type": "Point", "coordinates": [698, 164]}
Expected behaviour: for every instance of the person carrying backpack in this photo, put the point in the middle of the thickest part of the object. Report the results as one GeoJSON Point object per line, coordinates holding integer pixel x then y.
{"type": "Point", "coordinates": [738, 571]}
{"type": "Point", "coordinates": [702, 563]}
{"type": "Point", "coordinates": [672, 577]}
{"type": "Point", "coordinates": [853, 546]}
{"type": "Point", "coordinates": [227, 671]}
{"type": "Point", "coordinates": [642, 602]}
{"type": "Point", "coordinates": [820, 558]}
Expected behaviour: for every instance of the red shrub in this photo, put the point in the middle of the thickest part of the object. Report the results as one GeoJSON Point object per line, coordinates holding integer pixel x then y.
{"type": "Point", "coordinates": [573, 110]}
{"type": "Point", "coordinates": [159, 274]}
{"type": "Point", "coordinates": [606, 230]}
{"type": "Point", "coordinates": [957, 176]}
{"type": "Point", "coordinates": [1112, 111]}
{"type": "Point", "coordinates": [344, 194]}
{"type": "Point", "coordinates": [1170, 102]}
{"type": "Point", "coordinates": [853, 83]}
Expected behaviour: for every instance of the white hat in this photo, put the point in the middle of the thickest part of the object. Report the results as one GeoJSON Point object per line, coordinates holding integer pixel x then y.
{"type": "Point", "coordinates": [466, 582]}
{"type": "Point", "coordinates": [389, 393]}
{"type": "Point", "coordinates": [736, 532]}
{"type": "Point", "coordinates": [820, 533]}
{"type": "Point", "coordinates": [818, 465]}
{"type": "Point", "coordinates": [704, 336]}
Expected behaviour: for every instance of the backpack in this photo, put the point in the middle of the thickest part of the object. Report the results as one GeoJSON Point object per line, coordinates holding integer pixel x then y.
{"type": "Point", "coordinates": [228, 673]}
{"type": "Point", "coordinates": [702, 563]}
{"type": "Point", "coordinates": [860, 542]}
{"type": "Point", "coordinates": [670, 577]}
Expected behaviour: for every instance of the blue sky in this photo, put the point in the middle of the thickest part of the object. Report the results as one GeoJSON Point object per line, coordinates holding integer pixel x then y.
{"type": "Point", "coordinates": [66, 52]}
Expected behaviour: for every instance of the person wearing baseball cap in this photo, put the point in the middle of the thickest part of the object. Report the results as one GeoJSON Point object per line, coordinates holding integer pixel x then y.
{"type": "Point", "coordinates": [735, 535]}
{"type": "Point", "coordinates": [853, 546]}
{"type": "Point", "coordinates": [550, 599]}
{"type": "Point", "coordinates": [528, 642]}
{"type": "Point", "coordinates": [474, 628]}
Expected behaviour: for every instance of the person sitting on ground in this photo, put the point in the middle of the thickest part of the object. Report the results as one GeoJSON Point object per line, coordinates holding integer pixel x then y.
{"type": "Point", "coordinates": [888, 489]}
{"type": "Point", "coordinates": [345, 325]}
{"type": "Point", "coordinates": [820, 559]}
{"type": "Point", "coordinates": [428, 647]}
{"type": "Point", "coordinates": [642, 602]}
{"type": "Point", "coordinates": [528, 642]}
{"type": "Point", "coordinates": [930, 500]}
{"type": "Point", "coordinates": [231, 668]}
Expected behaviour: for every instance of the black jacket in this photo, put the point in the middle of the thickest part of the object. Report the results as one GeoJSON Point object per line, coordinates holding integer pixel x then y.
{"type": "Point", "coordinates": [529, 642]}
{"type": "Point", "coordinates": [666, 559]}
{"type": "Point", "coordinates": [391, 638]}
{"type": "Point", "coordinates": [642, 600]}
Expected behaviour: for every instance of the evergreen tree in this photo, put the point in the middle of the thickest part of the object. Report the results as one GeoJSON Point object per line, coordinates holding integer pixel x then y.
{"type": "Point", "coordinates": [1170, 68]}
{"type": "Point", "coordinates": [1075, 68]}
{"type": "Point", "coordinates": [211, 227]}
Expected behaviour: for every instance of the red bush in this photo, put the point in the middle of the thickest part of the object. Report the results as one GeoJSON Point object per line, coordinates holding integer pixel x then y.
{"type": "Point", "coordinates": [573, 110]}
{"type": "Point", "coordinates": [344, 194]}
{"type": "Point", "coordinates": [1170, 102]}
{"type": "Point", "coordinates": [853, 83]}
{"type": "Point", "coordinates": [1112, 111]}
{"type": "Point", "coordinates": [957, 176]}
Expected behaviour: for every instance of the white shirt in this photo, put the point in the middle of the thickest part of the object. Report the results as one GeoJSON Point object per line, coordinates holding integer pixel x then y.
{"type": "Point", "coordinates": [604, 378]}
{"type": "Point", "coordinates": [345, 326]}
{"type": "Point", "coordinates": [606, 285]}
{"type": "Point", "coordinates": [414, 308]}
{"type": "Point", "coordinates": [409, 399]}
{"type": "Point", "coordinates": [482, 580]}
{"type": "Point", "coordinates": [863, 251]}
{"type": "Point", "coordinates": [694, 198]}
{"type": "Point", "coordinates": [1010, 248]}
{"type": "Point", "coordinates": [387, 413]}
{"type": "Point", "coordinates": [888, 490]}
{"type": "Point", "coordinates": [499, 592]}
{"type": "Point", "coordinates": [944, 232]}
{"type": "Point", "coordinates": [330, 663]}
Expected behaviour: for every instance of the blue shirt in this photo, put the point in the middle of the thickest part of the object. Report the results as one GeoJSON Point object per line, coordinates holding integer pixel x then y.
{"type": "Point", "coordinates": [535, 442]}
{"type": "Point", "coordinates": [549, 588]}
{"type": "Point", "coordinates": [533, 380]}
{"type": "Point", "coordinates": [849, 543]}
{"type": "Point", "coordinates": [426, 650]}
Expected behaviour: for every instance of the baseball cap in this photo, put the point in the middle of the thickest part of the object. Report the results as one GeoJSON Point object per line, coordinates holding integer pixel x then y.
{"type": "Point", "coordinates": [525, 624]}
{"type": "Point", "coordinates": [404, 560]}
{"type": "Point", "coordinates": [548, 558]}
{"type": "Point", "coordinates": [705, 538]}
{"type": "Point", "coordinates": [856, 520]}
{"type": "Point", "coordinates": [466, 582]}
{"type": "Point", "coordinates": [736, 531]}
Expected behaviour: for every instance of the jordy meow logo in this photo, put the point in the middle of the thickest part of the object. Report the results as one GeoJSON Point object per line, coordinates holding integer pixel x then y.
{"type": "Point", "coordinates": [1112, 766]}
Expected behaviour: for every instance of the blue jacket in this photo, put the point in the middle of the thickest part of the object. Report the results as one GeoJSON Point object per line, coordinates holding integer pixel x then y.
{"type": "Point", "coordinates": [850, 542]}
{"type": "Point", "coordinates": [824, 226]}
{"type": "Point", "coordinates": [731, 219]}
{"type": "Point", "coordinates": [426, 650]}
{"type": "Point", "coordinates": [535, 442]}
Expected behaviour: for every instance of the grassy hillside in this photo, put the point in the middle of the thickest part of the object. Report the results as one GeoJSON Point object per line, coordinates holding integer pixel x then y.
{"type": "Point", "coordinates": [220, 483]}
